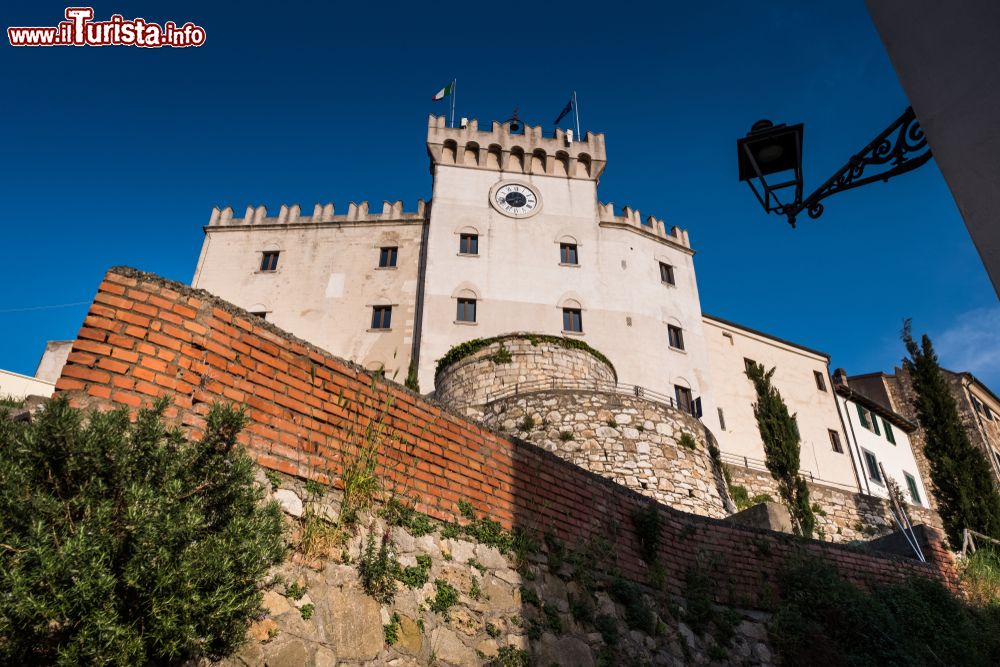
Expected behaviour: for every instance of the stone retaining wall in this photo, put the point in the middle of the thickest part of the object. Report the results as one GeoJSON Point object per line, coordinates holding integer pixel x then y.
{"type": "Point", "coordinates": [478, 378]}
{"type": "Point", "coordinates": [633, 441]}
{"type": "Point", "coordinates": [844, 515]}
{"type": "Point", "coordinates": [542, 611]}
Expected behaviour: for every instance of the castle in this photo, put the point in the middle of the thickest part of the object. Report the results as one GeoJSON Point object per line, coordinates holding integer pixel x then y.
{"type": "Point", "coordinates": [515, 239]}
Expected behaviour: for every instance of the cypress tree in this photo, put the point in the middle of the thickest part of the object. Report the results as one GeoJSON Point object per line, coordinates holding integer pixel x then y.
{"type": "Point", "coordinates": [963, 481]}
{"type": "Point", "coordinates": [780, 433]}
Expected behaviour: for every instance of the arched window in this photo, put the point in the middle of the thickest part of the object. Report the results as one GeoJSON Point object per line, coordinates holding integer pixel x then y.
{"type": "Point", "coordinates": [449, 151]}
{"type": "Point", "coordinates": [493, 156]}
{"type": "Point", "coordinates": [562, 164]}
{"type": "Point", "coordinates": [572, 316]}
{"type": "Point", "coordinates": [538, 161]}
{"type": "Point", "coordinates": [583, 162]}
{"type": "Point", "coordinates": [466, 305]}
{"type": "Point", "coordinates": [515, 162]}
{"type": "Point", "coordinates": [471, 154]}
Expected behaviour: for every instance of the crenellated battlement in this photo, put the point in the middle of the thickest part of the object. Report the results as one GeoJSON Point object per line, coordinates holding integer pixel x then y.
{"type": "Point", "coordinates": [322, 213]}
{"type": "Point", "coordinates": [633, 218]}
{"type": "Point", "coordinates": [530, 152]}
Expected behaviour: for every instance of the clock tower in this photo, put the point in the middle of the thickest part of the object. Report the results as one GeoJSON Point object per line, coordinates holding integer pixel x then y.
{"type": "Point", "coordinates": [550, 258]}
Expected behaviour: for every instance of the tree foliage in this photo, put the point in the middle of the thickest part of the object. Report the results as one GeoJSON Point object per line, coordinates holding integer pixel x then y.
{"type": "Point", "coordinates": [124, 543]}
{"type": "Point", "coordinates": [780, 434]}
{"type": "Point", "coordinates": [963, 481]}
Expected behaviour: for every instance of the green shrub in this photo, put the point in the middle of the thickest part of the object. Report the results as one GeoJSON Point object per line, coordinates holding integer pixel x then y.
{"type": "Point", "coordinates": [445, 596]}
{"type": "Point", "coordinates": [378, 569]}
{"type": "Point", "coordinates": [552, 619]}
{"type": "Point", "coordinates": [647, 524]}
{"type": "Point", "coordinates": [981, 577]}
{"type": "Point", "coordinates": [510, 656]}
{"type": "Point", "coordinates": [125, 542]}
{"type": "Point", "coordinates": [398, 513]}
{"type": "Point", "coordinates": [415, 576]}
{"type": "Point", "coordinates": [824, 620]}
{"type": "Point", "coordinates": [687, 441]}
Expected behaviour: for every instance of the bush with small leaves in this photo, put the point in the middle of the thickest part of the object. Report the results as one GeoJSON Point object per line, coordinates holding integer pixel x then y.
{"type": "Point", "coordinates": [127, 543]}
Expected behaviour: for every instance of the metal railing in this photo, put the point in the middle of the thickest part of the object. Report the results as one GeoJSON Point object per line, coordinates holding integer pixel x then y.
{"type": "Point", "coordinates": [759, 464]}
{"type": "Point", "coordinates": [621, 389]}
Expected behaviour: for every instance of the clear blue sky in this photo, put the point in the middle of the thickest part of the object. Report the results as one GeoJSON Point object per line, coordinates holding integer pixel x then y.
{"type": "Point", "coordinates": [116, 155]}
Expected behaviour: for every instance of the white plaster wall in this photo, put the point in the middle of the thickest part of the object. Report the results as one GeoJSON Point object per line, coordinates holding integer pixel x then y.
{"type": "Point", "coordinates": [53, 359]}
{"type": "Point", "coordinates": [896, 459]}
{"type": "Point", "coordinates": [521, 285]}
{"type": "Point", "coordinates": [325, 285]}
{"type": "Point", "coordinates": [816, 410]}
{"type": "Point", "coordinates": [17, 386]}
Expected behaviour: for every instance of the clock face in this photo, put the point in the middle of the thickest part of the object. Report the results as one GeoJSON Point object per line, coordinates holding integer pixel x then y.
{"type": "Point", "coordinates": [515, 199]}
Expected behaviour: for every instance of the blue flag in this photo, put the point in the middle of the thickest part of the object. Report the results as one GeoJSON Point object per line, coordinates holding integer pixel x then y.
{"type": "Point", "coordinates": [566, 110]}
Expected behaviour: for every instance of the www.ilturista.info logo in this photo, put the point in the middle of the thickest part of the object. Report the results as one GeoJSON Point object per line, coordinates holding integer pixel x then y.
{"type": "Point", "coordinates": [79, 29]}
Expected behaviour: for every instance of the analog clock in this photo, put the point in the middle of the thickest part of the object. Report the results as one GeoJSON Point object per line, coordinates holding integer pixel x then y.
{"type": "Point", "coordinates": [515, 199]}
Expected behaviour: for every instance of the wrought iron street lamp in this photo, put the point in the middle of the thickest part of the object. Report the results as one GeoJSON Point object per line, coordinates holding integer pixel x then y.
{"type": "Point", "coordinates": [770, 161]}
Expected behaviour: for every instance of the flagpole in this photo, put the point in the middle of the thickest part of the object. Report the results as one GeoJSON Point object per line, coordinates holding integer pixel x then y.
{"type": "Point", "coordinates": [576, 110]}
{"type": "Point", "coordinates": [454, 94]}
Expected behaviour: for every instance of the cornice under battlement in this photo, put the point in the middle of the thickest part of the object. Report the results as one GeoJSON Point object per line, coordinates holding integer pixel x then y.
{"type": "Point", "coordinates": [291, 215]}
{"type": "Point", "coordinates": [529, 152]}
{"type": "Point", "coordinates": [632, 219]}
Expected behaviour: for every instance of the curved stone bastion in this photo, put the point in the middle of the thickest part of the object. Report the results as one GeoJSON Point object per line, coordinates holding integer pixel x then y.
{"type": "Point", "coordinates": [481, 370]}
{"type": "Point", "coordinates": [567, 400]}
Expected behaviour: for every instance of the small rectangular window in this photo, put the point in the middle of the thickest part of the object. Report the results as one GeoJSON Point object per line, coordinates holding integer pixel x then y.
{"type": "Point", "coordinates": [381, 317]}
{"type": "Point", "coordinates": [466, 310]}
{"type": "Point", "coordinates": [889, 435]}
{"type": "Point", "coordinates": [874, 419]}
{"type": "Point", "coordinates": [684, 399]}
{"type": "Point", "coordinates": [387, 257]}
{"type": "Point", "coordinates": [269, 261]}
{"type": "Point", "coordinates": [820, 380]}
{"type": "Point", "coordinates": [911, 484]}
{"type": "Point", "coordinates": [468, 244]}
{"type": "Point", "coordinates": [676, 337]}
{"type": "Point", "coordinates": [667, 274]}
{"type": "Point", "coordinates": [749, 363]}
{"type": "Point", "coordinates": [989, 413]}
{"type": "Point", "coordinates": [572, 320]}
{"type": "Point", "coordinates": [567, 253]}
{"type": "Point", "coordinates": [262, 314]}
{"type": "Point", "coordinates": [863, 417]}
{"type": "Point", "coordinates": [871, 464]}
{"type": "Point", "coordinates": [835, 441]}
{"type": "Point", "coordinates": [722, 420]}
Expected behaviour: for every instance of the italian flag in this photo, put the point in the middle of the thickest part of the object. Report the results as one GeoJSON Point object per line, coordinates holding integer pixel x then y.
{"type": "Point", "coordinates": [444, 92]}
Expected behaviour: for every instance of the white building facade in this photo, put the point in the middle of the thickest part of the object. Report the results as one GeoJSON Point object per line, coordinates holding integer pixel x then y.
{"type": "Point", "coordinates": [801, 376]}
{"type": "Point", "coordinates": [880, 445]}
{"type": "Point", "coordinates": [514, 239]}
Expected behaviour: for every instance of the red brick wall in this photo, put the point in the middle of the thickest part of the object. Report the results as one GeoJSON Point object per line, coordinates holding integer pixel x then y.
{"type": "Point", "coordinates": [145, 337]}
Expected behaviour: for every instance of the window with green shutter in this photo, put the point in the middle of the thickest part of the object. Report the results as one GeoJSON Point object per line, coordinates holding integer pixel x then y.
{"type": "Point", "coordinates": [889, 435]}
{"type": "Point", "coordinates": [875, 423]}
{"type": "Point", "coordinates": [862, 416]}
{"type": "Point", "coordinates": [911, 483]}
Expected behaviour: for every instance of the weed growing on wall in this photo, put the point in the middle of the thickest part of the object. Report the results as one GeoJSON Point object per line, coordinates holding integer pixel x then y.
{"type": "Point", "coordinates": [377, 569]}
{"type": "Point", "coordinates": [780, 434]}
{"type": "Point", "coordinates": [470, 347]}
